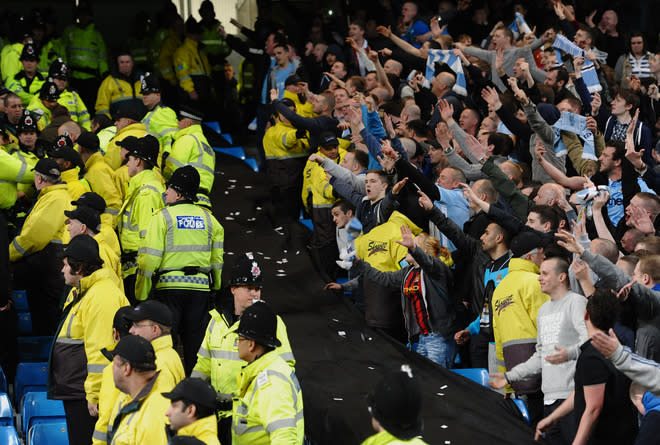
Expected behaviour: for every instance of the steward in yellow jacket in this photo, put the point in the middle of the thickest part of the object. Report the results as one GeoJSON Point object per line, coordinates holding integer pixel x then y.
{"type": "Point", "coordinates": [201, 422]}
{"type": "Point", "coordinates": [95, 202]}
{"type": "Point", "coordinates": [515, 305]}
{"type": "Point", "coordinates": [160, 121]}
{"type": "Point", "coordinates": [43, 104]}
{"type": "Point", "coordinates": [192, 68]}
{"type": "Point", "coordinates": [144, 197]}
{"type": "Point", "coordinates": [304, 109]}
{"type": "Point", "coordinates": [121, 88]}
{"type": "Point", "coordinates": [217, 359]}
{"type": "Point", "coordinates": [76, 363]}
{"type": "Point", "coordinates": [128, 124]}
{"type": "Point", "coordinates": [190, 147]}
{"type": "Point", "coordinates": [98, 174]}
{"type": "Point", "coordinates": [138, 416]}
{"type": "Point", "coordinates": [27, 82]}
{"type": "Point", "coordinates": [268, 407]}
{"type": "Point", "coordinates": [167, 49]}
{"type": "Point", "coordinates": [69, 99]}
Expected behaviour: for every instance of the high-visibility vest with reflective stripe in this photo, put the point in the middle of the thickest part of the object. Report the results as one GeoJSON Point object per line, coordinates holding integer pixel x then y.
{"type": "Point", "coordinates": [281, 142]}
{"type": "Point", "coordinates": [105, 136]}
{"type": "Point", "coordinates": [113, 91]}
{"type": "Point", "coordinates": [161, 122]}
{"type": "Point", "coordinates": [13, 169]}
{"type": "Point", "coordinates": [181, 235]}
{"type": "Point", "coordinates": [40, 110]}
{"type": "Point", "coordinates": [190, 147]}
{"type": "Point", "coordinates": [315, 182]}
{"type": "Point", "coordinates": [85, 49]}
{"type": "Point", "coordinates": [53, 49]}
{"type": "Point", "coordinates": [24, 88]}
{"type": "Point", "coordinates": [215, 46]}
{"type": "Point", "coordinates": [71, 101]}
{"type": "Point", "coordinates": [269, 405]}
{"type": "Point", "coordinates": [100, 177]}
{"type": "Point", "coordinates": [89, 322]}
{"type": "Point", "coordinates": [10, 61]}
{"type": "Point", "coordinates": [218, 361]}
{"type": "Point", "coordinates": [190, 61]}
{"type": "Point", "coordinates": [74, 184]}
{"type": "Point", "coordinates": [143, 198]}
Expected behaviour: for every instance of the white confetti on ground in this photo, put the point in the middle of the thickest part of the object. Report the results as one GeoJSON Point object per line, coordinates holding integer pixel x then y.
{"type": "Point", "coordinates": [443, 386]}
{"type": "Point", "coordinates": [342, 333]}
{"type": "Point", "coordinates": [444, 427]}
{"type": "Point", "coordinates": [339, 399]}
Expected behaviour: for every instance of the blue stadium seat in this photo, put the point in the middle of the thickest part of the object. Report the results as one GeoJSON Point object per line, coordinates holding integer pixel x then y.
{"type": "Point", "coordinates": [228, 137]}
{"type": "Point", "coordinates": [53, 433]}
{"type": "Point", "coordinates": [520, 404]}
{"type": "Point", "coordinates": [479, 375]}
{"type": "Point", "coordinates": [252, 163]}
{"type": "Point", "coordinates": [34, 349]}
{"type": "Point", "coordinates": [3, 381]}
{"type": "Point", "coordinates": [19, 298]}
{"type": "Point", "coordinates": [9, 436]}
{"type": "Point", "coordinates": [215, 126]}
{"type": "Point", "coordinates": [24, 323]}
{"type": "Point", "coordinates": [38, 409]}
{"type": "Point", "coordinates": [6, 411]}
{"type": "Point", "coordinates": [30, 377]}
{"type": "Point", "coordinates": [307, 223]}
{"type": "Point", "coordinates": [236, 152]}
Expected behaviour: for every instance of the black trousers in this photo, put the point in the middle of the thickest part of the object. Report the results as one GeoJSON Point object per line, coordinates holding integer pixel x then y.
{"type": "Point", "coordinates": [40, 274]}
{"type": "Point", "coordinates": [190, 318]}
{"type": "Point", "coordinates": [564, 432]}
{"type": "Point", "coordinates": [79, 424]}
{"type": "Point", "coordinates": [129, 289]}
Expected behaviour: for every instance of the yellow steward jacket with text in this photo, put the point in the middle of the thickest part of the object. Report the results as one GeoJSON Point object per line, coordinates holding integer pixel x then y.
{"type": "Point", "coordinates": [183, 248]}
{"type": "Point", "coordinates": [268, 408]}
{"type": "Point", "coordinates": [44, 224]}
{"type": "Point", "coordinates": [217, 358]}
{"type": "Point", "coordinates": [76, 360]}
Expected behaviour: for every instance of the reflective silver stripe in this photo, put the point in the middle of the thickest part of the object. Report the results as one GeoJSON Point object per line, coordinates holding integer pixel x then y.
{"type": "Point", "coordinates": [322, 206]}
{"type": "Point", "coordinates": [143, 233]}
{"type": "Point", "coordinates": [293, 384]}
{"type": "Point", "coordinates": [203, 352]}
{"type": "Point", "coordinates": [68, 341]}
{"type": "Point", "coordinates": [500, 362]}
{"type": "Point", "coordinates": [18, 247]}
{"type": "Point", "coordinates": [56, 241]}
{"type": "Point", "coordinates": [71, 315]}
{"type": "Point", "coordinates": [284, 423]}
{"type": "Point", "coordinates": [199, 375]}
{"type": "Point", "coordinates": [174, 161]}
{"type": "Point", "coordinates": [97, 369]}
{"type": "Point", "coordinates": [224, 396]}
{"type": "Point", "coordinates": [112, 211]}
{"type": "Point", "coordinates": [225, 355]}
{"type": "Point", "coordinates": [170, 228]}
{"type": "Point", "coordinates": [211, 324]}
{"type": "Point", "coordinates": [244, 429]}
{"type": "Point", "coordinates": [216, 266]}
{"type": "Point", "coordinates": [190, 248]}
{"type": "Point", "coordinates": [241, 409]}
{"type": "Point", "coordinates": [519, 341]}
{"type": "Point", "coordinates": [203, 200]}
{"type": "Point", "coordinates": [202, 166]}
{"type": "Point", "coordinates": [145, 273]}
{"type": "Point", "coordinates": [287, 356]}
{"type": "Point", "coordinates": [99, 435]}
{"type": "Point", "coordinates": [150, 251]}
{"type": "Point", "coordinates": [21, 173]}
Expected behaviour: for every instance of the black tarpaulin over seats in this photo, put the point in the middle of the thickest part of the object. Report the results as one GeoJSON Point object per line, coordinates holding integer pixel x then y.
{"type": "Point", "coordinates": [340, 359]}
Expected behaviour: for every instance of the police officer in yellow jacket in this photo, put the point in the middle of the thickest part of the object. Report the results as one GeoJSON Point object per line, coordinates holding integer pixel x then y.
{"type": "Point", "coordinates": [138, 416]}
{"type": "Point", "coordinates": [76, 363]}
{"type": "Point", "coordinates": [69, 99]}
{"type": "Point", "coordinates": [160, 121]}
{"type": "Point", "coordinates": [190, 147]}
{"type": "Point", "coordinates": [27, 82]}
{"type": "Point", "coordinates": [98, 173]}
{"type": "Point", "coordinates": [217, 358]}
{"type": "Point", "coordinates": [120, 88]}
{"type": "Point", "coordinates": [286, 151]}
{"type": "Point", "coordinates": [192, 68]}
{"type": "Point", "coordinates": [183, 254]}
{"type": "Point", "coordinates": [36, 251]}
{"type": "Point", "coordinates": [192, 412]}
{"type": "Point", "coordinates": [43, 104]}
{"type": "Point", "coordinates": [143, 198]}
{"type": "Point", "coordinates": [268, 407]}
{"type": "Point", "coordinates": [71, 166]}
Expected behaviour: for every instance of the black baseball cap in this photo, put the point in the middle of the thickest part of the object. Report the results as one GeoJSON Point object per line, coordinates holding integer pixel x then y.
{"type": "Point", "coordinates": [83, 248]}
{"type": "Point", "coordinates": [194, 390]}
{"type": "Point", "coordinates": [329, 140]}
{"type": "Point", "coordinates": [526, 242]}
{"type": "Point", "coordinates": [120, 323]}
{"type": "Point", "coordinates": [48, 167]}
{"type": "Point", "coordinates": [92, 200]}
{"type": "Point", "coordinates": [85, 215]}
{"type": "Point", "coordinates": [151, 310]}
{"type": "Point", "coordinates": [89, 140]}
{"type": "Point", "coordinates": [136, 350]}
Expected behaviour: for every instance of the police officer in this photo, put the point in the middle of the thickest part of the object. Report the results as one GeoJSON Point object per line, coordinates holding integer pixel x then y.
{"type": "Point", "coordinates": [217, 358]}
{"type": "Point", "coordinates": [28, 132]}
{"type": "Point", "coordinates": [396, 410]}
{"type": "Point", "coordinates": [69, 99]}
{"type": "Point", "coordinates": [192, 68]}
{"type": "Point", "coordinates": [190, 147]}
{"type": "Point", "coordinates": [36, 250]}
{"type": "Point", "coordinates": [120, 88]}
{"type": "Point", "coordinates": [76, 363]}
{"type": "Point", "coordinates": [268, 407]}
{"type": "Point", "coordinates": [43, 104]}
{"type": "Point", "coordinates": [71, 166]}
{"type": "Point", "coordinates": [183, 254]}
{"type": "Point", "coordinates": [29, 80]}
{"type": "Point", "coordinates": [192, 412]}
{"type": "Point", "coordinates": [143, 198]}
{"type": "Point", "coordinates": [160, 121]}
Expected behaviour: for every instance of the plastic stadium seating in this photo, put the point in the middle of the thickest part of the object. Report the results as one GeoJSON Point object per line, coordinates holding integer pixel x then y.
{"type": "Point", "coordinates": [38, 409]}
{"type": "Point", "coordinates": [228, 137]}
{"type": "Point", "coordinates": [252, 163]}
{"type": "Point", "coordinates": [479, 375]}
{"type": "Point", "coordinates": [9, 436]}
{"type": "Point", "coordinates": [215, 126]}
{"type": "Point", "coordinates": [236, 152]}
{"type": "Point", "coordinates": [24, 323]}
{"type": "Point", "coordinates": [48, 434]}
{"type": "Point", "coordinates": [520, 404]}
{"type": "Point", "coordinates": [19, 298]}
{"type": "Point", "coordinates": [6, 411]}
{"type": "Point", "coordinates": [30, 377]}
{"type": "Point", "coordinates": [34, 349]}
{"type": "Point", "coordinates": [3, 381]}
{"type": "Point", "coordinates": [308, 223]}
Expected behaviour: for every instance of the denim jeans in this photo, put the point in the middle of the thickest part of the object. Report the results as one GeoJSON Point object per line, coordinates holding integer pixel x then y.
{"type": "Point", "coordinates": [437, 348]}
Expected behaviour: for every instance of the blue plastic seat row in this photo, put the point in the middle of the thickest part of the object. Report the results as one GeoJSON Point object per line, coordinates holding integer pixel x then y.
{"type": "Point", "coordinates": [38, 409]}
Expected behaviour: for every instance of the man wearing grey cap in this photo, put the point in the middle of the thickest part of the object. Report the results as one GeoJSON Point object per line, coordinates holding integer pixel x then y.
{"type": "Point", "coordinates": [36, 250]}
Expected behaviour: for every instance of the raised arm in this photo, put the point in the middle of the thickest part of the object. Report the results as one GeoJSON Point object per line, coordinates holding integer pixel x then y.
{"type": "Point", "coordinates": [573, 182]}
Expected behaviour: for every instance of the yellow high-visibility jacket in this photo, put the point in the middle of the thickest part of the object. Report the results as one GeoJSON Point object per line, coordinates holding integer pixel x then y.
{"type": "Point", "coordinates": [71, 101]}
{"type": "Point", "coordinates": [166, 56]}
{"type": "Point", "coordinates": [44, 224]}
{"type": "Point", "coordinates": [85, 51]}
{"type": "Point", "coordinates": [268, 408]}
{"type": "Point", "coordinates": [113, 91]}
{"type": "Point", "coordinates": [100, 177]}
{"type": "Point", "coordinates": [111, 260]}
{"type": "Point", "coordinates": [105, 136]}
{"type": "Point", "coordinates": [10, 61]}
{"type": "Point", "coordinates": [77, 362]}
{"type": "Point", "coordinates": [161, 122]}
{"type": "Point", "coordinates": [24, 88]}
{"type": "Point", "coordinates": [39, 109]}
{"type": "Point", "coordinates": [315, 182]}
{"type": "Point", "coordinates": [204, 429]}
{"type": "Point", "coordinates": [217, 358]}
{"type": "Point", "coordinates": [304, 109]}
{"type": "Point", "coordinates": [281, 142]}
{"type": "Point", "coordinates": [74, 184]}
{"type": "Point", "coordinates": [113, 151]}
{"type": "Point", "coordinates": [385, 438]}
{"type": "Point", "coordinates": [108, 224]}
{"type": "Point", "coordinates": [190, 61]}
{"type": "Point", "coordinates": [14, 168]}
{"type": "Point", "coordinates": [108, 395]}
